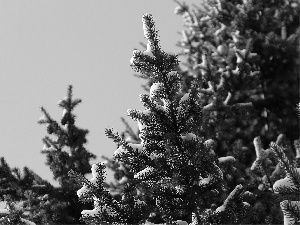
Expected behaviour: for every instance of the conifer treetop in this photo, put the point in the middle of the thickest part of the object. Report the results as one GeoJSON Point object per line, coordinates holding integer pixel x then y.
{"type": "Point", "coordinates": [154, 60]}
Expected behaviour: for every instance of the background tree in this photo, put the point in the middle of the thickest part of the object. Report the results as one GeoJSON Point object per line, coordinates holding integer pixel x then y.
{"type": "Point", "coordinates": [66, 152]}
{"type": "Point", "coordinates": [216, 32]}
{"type": "Point", "coordinates": [27, 191]}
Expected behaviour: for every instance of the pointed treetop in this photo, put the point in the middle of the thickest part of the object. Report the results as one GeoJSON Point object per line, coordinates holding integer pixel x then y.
{"type": "Point", "coordinates": [67, 102]}
{"type": "Point", "coordinates": [150, 32]}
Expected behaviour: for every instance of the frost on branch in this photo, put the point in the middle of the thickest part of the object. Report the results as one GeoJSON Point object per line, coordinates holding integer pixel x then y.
{"type": "Point", "coordinates": [14, 213]}
{"type": "Point", "coordinates": [225, 214]}
{"type": "Point", "coordinates": [104, 205]}
{"type": "Point", "coordinates": [261, 154]}
{"type": "Point", "coordinates": [288, 187]}
{"type": "Point", "coordinates": [143, 61]}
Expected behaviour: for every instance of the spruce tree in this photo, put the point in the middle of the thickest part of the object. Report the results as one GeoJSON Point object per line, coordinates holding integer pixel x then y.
{"type": "Point", "coordinates": [174, 168]}
{"type": "Point", "coordinates": [216, 33]}
{"type": "Point", "coordinates": [222, 28]}
{"type": "Point", "coordinates": [198, 156]}
{"type": "Point", "coordinates": [64, 153]}
{"type": "Point", "coordinates": [9, 182]}
{"type": "Point", "coordinates": [15, 191]}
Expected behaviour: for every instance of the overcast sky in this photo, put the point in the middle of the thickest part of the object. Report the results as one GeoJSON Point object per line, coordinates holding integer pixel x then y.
{"type": "Point", "coordinates": [47, 45]}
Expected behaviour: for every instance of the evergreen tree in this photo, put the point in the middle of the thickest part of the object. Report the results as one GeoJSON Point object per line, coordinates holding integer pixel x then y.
{"type": "Point", "coordinates": [215, 42]}
{"type": "Point", "coordinates": [15, 188]}
{"type": "Point", "coordinates": [167, 161]}
{"type": "Point", "coordinates": [9, 182]}
{"type": "Point", "coordinates": [66, 152]}
{"type": "Point", "coordinates": [174, 169]}
{"type": "Point", "coordinates": [192, 159]}
{"type": "Point", "coordinates": [222, 28]}
{"type": "Point", "coordinates": [46, 204]}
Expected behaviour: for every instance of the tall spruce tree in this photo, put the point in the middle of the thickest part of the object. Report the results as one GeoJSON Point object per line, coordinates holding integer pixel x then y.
{"type": "Point", "coordinates": [164, 163]}
{"type": "Point", "coordinates": [216, 31]}
{"type": "Point", "coordinates": [175, 166]}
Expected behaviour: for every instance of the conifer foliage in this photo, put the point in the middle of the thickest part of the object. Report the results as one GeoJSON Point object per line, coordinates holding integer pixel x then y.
{"type": "Point", "coordinates": [174, 169]}
{"type": "Point", "coordinates": [215, 43]}
{"type": "Point", "coordinates": [68, 150]}
{"type": "Point", "coordinates": [16, 191]}
{"type": "Point", "coordinates": [200, 155]}
{"type": "Point", "coordinates": [39, 200]}
{"type": "Point", "coordinates": [64, 153]}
